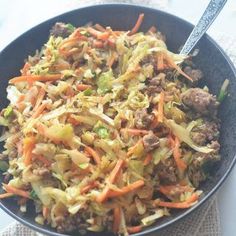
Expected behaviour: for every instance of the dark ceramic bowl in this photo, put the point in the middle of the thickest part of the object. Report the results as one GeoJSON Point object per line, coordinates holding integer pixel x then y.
{"type": "Point", "coordinates": [211, 59]}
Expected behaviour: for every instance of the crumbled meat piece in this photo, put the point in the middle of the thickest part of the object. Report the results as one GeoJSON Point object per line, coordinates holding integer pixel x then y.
{"type": "Point", "coordinates": [142, 119]}
{"type": "Point", "coordinates": [201, 101]}
{"type": "Point", "coordinates": [202, 164]}
{"type": "Point", "coordinates": [60, 30]}
{"type": "Point", "coordinates": [195, 74]}
{"type": "Point", "coordinates": [167, 171]}
{"type": "Point", "coordinates": [41, 171]}
{"type": "Point", "coordinates": [65, 224]}
{"type": "Point", "coordinates": [7, 178]}
{"type": "Point", "coordinates": [155, 84]}
{"type": "Point", "coordinates": [150, 142]}
{"type": "Point", "coordinates": [205, 133]}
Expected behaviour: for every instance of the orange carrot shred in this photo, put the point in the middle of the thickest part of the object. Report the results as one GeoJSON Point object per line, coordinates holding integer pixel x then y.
{"type": "Point", "coordinates": [82, 87]}
{"type": "Point", "coordinates": [176, 153]}
{"type": "Point", "coordinates": [125, 190]}
{"type": "Point", "coordinates": [160, 114]}
{"type": "Point", "coordinates": [16, 191]}
{"type": "Point", "coordinates": [39, 110]}
{"type": "Point", "coordinates": [33, 78]}
{"type": "Point", "coordinates": [181, 205]}
{"type": "Point", "coordinates": [45, 212]}
{"type": "Point", "coordinates": [94, 154]}
{"type": "Point", "coordinates": [28, 146]}
{"type": "Point", "coordinates": [160, 61]}
{"type": "Point", "coordinates": [115, 171]}
{"type": "Point", "coordinates": [41, 95]}
{"type": "Point", "coordinates": [103, 196]}
{"type": "Point", "coordinates": [89, 187]}
{"type": "Point", "coordinates": [147, 159]}
{"type": "Point", "coordinates": [137, 25]}
{"type": "Point", "coordinates": [134, 229]}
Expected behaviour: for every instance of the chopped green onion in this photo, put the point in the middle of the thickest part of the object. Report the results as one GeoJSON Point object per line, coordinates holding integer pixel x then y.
{"type": "Point", "coordinates": [84, 165]}
{"type": "Point", "coordinates": [8, 112]}
{"type": "Point", "coordinates": [70, 27]}
{"type": "Point", "coordinates": [102, 132]}
{"type": "Point", "coordinates": [88, 92]}
{"type": "Point", "coordinates": [223, 91]}
{"type": "Point", "coordinates": [33, 195]}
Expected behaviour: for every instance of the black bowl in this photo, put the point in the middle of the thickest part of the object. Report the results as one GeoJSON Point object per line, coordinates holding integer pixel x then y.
{"type": "Point", "coordinates": [211, 59]}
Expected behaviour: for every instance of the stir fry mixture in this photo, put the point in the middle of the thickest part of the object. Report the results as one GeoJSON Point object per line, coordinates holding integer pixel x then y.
{"type": "Point", "coordinates": [107, 131]}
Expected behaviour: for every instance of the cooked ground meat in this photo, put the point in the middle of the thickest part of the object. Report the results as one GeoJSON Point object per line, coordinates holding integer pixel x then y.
{"type": "Point", "coordinates": [60, 30]}
{"type": "Point", "coordinates": [65, 224]}
{"type": "Point", "coordinates": [206, 132]}
{"type": "Point", "coordinates": [202, 163]}
{"type": "Point", "coordinates": [155, 84]}
{"type": "Point", "coordinates": [167, 171]}
{"type": "Point", "coordinates": [142, 119]}
{"type": "Point", "coordinates": [150, 142]}
{"type": "Point", "coordinates": [201, 101]}
{"type": "Point", "coordinates": [195, 74]}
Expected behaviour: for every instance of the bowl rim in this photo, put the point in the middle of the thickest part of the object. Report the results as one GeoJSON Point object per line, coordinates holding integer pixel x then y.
{"type": "Point", "coordinates": [38, 228]}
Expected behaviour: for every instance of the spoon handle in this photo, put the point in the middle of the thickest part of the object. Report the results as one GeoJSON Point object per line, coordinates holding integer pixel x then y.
{"type": "Point", "coordinates": [209, 15]}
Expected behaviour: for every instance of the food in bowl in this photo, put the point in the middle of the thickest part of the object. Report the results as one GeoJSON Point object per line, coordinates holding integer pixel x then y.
{"type": "Point", "coordinates": [107, 130]}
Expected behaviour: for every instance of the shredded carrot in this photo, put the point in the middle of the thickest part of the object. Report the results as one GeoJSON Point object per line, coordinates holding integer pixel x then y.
{"type": "Point", "coordinates": [176, 153]}
{"type": "Point", "coordinates": [137, 25]}
{"type": "Point", "coordinates": [147, 159]}
{"type": "Point", "coordinates": [94, 154]}
{"type": "Point", "coordinates": [6, 195]}
{"type": "Point", "coordinates": [41, 95]}
{"type": "Point", "coordinates": [28, 146]}
{"type": "Point", "coordinates": [160, 114]}
{"type": "Point", "coordinates": [181, 205]}
{"type": "Point", "coordinates": [44, 160]}
{"type": "Point", "coordinates": [134, 229]}
{"type": "Point", "coordinates": [160, 61]}
{"type": "Point", "coordinates": [125, 190]}
{"type": "Point", "coordinates": [33, 78]}
{"type": "Point", "coordinates": [45, 212]}
{"type": "Point", "coordinates": [116, 219]}
{"type": "Point", "coordinates": [90, 186]}
{"type": "Point", "coordinates": [172, 64]}
{"type": "Point", "coordinates": [82, 87]}
{"type": "Point", "coordinates": [99, 35]}
{"type": "Point", "coordinates": [171, 141]}
{"type": "Point", "coordinates": [72, 120]}
{"type": "Point", "coordinates": [16, 191]}
{"type": "Point", "coordinates": [99, 27]}
{"type": "Point", "coordinates": [25, 69]}
{"type": "Point", "coordinates": [135, 131]}
{"type": "Point", "coordinates": [132, 149]}
{"type": "Point", "coordinates": [39, 110]}
{"type": "Point", "coordinates": [116, 171]}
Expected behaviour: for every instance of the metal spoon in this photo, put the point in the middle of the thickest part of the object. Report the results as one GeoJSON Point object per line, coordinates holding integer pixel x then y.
{"type": "Point", "coordinates": [212, 11]}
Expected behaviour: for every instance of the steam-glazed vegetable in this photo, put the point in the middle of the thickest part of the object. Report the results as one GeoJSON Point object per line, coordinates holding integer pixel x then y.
{"type": "Point", "coordinates": [106, 131]}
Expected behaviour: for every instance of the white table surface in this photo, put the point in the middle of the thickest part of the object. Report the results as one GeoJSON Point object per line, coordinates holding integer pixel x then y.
{"type": "Point", "coordinates": [18, 16]}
